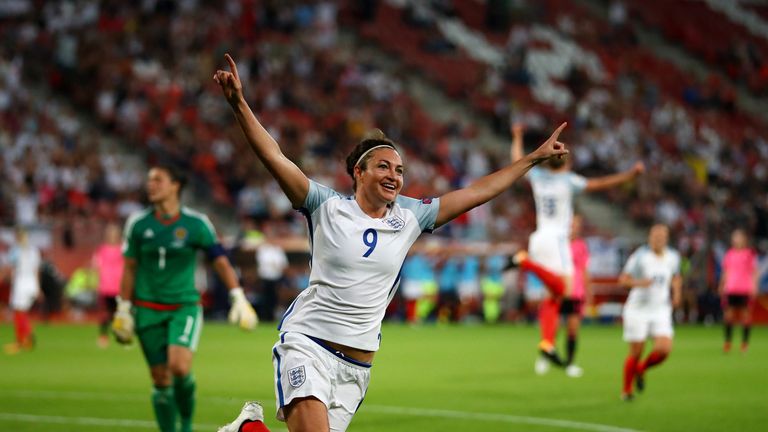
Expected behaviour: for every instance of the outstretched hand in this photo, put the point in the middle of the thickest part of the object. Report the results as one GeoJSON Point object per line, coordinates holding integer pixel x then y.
{"type": "Point", "coordinates": [551, 147]}
{"type": "Point", "coordinates": [229, 81]}
{"type": "Point", "coordinates": [639, 168]}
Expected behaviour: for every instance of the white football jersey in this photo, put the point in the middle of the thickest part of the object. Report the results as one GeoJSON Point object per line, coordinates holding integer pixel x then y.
{"type": "Point", "coordinates": [645, 264]}
{"type": "Point", "coordinates": [355, 265]}
{"type": "Point", "coordinates": [553, 194]}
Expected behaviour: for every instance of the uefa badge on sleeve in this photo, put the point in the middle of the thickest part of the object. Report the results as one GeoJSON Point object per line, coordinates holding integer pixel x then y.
{"type": "Point", "coordinates": [297, 376]}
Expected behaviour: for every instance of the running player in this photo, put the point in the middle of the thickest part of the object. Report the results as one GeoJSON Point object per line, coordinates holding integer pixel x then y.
{"type": "Point", "coordinates": [651, 272]}
{"type": "Point", "coordinates": [738, 287]}
{"type": "Point", "coordinates": [329, 335]}
{"type": "Point", "coordinates": [25, 260]}
{"type": "Point", "coordinates": [548, 256]}
{"type": "Point", "coordinates": [581, 294]}
{"type": "Point", "coordinates": [160, 248]}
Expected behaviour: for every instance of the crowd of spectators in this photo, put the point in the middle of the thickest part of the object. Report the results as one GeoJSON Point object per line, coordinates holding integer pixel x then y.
{"type": "Point", "coordinates": [141, 71]}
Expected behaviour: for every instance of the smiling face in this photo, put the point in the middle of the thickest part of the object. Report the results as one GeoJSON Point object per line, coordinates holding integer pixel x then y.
{"type": "Point", "coordinates": [380, 178]}
{"type": "Point", "coordinates": [160, 186]}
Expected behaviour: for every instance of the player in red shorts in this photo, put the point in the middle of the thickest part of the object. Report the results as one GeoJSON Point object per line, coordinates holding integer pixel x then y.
{"type": "Point", "coordinates": [738, 287]}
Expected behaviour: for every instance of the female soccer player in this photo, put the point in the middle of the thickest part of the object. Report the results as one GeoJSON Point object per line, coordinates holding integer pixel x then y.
{"type": "Point", "coordinates": [108, 263]}
{"type": "Point", "coordinates": [738, 287]}
{"type": "Point", "coordinates": [329, 335]}
{"type": "Point", "coordinates": [160, 249]}
{"type": "Point", "coordinates": [651, 272]}
{"type": "Point", "coordinates": [25, 259]}
{"type": "Point", "coordinates": [554, 187]}
{"type": "Point", "coordinates": [581, 294]}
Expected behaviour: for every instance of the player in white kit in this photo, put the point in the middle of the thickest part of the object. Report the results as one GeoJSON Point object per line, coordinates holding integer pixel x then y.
{"type": "Point", "coordinates": [25, 260]}
{"type": "Point", "coordinates": [653, 273]}
{"type": "Point", "coordinates": [329, 335]}
{"type": "Point", "coordinates": [549, 253]}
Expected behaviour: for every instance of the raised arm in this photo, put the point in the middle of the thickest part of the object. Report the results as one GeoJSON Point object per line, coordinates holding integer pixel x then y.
{"type": "Point", "coordinates": [516, 152]}
{"type": "Point", "coordinates": [609, 181]}
{"type": "Point", "coordinates": [291, 179]}
{"type": "Point", "coordinates": [485, 188]}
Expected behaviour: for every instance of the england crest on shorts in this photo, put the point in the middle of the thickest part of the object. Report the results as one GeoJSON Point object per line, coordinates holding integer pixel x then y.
{"type": "Point", "coordinates": [297, 376]}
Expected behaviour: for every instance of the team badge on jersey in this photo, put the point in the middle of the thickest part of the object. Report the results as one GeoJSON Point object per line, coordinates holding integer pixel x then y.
{"type": "Point", "coordinates": [180, 234]}
{"type": "Point", "coordinates": [149, 233]}
{"type": "Point", "coordinates": [297, 376]}
{"type": "Point", "coordinates": [395, 222]}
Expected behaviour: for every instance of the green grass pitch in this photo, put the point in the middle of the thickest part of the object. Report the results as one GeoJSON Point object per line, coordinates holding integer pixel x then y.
{"type": "Point", "coordinates": [428, 378]}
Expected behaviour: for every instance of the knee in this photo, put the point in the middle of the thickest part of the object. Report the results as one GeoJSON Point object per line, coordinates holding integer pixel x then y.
{"type": "Point", "coordinates": [179, 368]}
{"type": "Point", "coordinates": [161, 377]}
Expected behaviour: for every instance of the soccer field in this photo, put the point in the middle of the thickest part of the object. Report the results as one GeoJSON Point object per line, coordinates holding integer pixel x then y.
{"type": "Point", "coordinates": [429, 378]}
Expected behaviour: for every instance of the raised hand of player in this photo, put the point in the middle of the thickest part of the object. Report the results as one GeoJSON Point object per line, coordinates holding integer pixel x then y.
{"type": "Point", "coordinates": [551, 147]}
{"type": "Point", "coordinates": [517, 129]}
{"type": "Point", "coordinates": [230, 82]}
{"type": "Point", "coordinates": [639, 168]}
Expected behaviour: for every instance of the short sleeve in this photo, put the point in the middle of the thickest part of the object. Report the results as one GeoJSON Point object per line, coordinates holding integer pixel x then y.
{"type": "Point", "coordinates": [675, 263]}
{"type": "Point", "coordinates": [578, 182]}
{"type": "Point", "coordinates": [317, 195]}
{"type": "Point", "coordinates": [130, 239]}
{"type": "Point", "coordinates": [425, 210]}
{"type": "Point", "coordinates": [632, 267]}
{"type": "Point", "coordinates": [208, 235]}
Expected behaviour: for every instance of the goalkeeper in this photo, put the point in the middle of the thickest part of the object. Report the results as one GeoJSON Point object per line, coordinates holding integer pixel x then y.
{"type": "Point", "coordinates": [160, 248]}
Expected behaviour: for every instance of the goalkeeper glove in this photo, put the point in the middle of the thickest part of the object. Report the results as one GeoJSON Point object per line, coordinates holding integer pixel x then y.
{"type": "Point", "coordinates": [122, 323]}
{"type": "Point", "coordinates": [241, 312]}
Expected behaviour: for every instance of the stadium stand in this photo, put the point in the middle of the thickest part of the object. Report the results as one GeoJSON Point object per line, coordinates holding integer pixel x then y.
{"type": "Point", "coordinates": [140, 72]}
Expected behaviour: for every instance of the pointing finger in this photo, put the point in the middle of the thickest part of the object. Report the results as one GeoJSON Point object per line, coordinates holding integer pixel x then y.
{"type": "Point", "coordinates": [557, 131]}
{"type": "Point", "coordinates": [232, 66]}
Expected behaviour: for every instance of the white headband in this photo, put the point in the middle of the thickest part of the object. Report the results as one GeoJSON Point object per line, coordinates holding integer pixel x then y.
{"type": "Point", "coordinates": [372, 149]}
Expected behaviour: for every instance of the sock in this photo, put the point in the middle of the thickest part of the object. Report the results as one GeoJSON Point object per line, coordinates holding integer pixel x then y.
{"type": "Point", "coordinates": [630, 366]}
{"type": "Point", "coordinates": [553, 281]}
{"type": "Point", "coordinates": [548, 319]}
{"type": "Point", "coordinates": [23, 327]}
{"type": "Point", "coordinates": [184, 392]}
{"type": "Point", "coordinates": [552, 356]}
{"type": "Point", "coordinates": [253, 426]}
{"type": "Point", "coordinates": [570, 348]}
{"type": "Point", "coordinates": [728, 332]}
{"type": "Point", "coordinates": [165, 408]}
{"type": "Point", "coordinates": [654, 358]}
{"type": "Point", "coordinates": [745, 335]}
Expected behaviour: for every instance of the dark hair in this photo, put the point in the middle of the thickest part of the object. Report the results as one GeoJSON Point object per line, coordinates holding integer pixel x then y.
{"type": "Point", "coordinates": [557, 161]}
{"type": "Point", "coordinates": [177, 174]}
{"type": "Point", "coordinates": [371, 139]}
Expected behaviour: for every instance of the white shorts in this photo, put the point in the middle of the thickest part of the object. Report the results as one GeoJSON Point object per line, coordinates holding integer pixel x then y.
{"type": "Point", "coordinates": [552, 250]}
{"type": "Point", "coordinates": [23, 294]}
{"type": "Point", "coordinates": [304, 367]}
{"type": "Point", "coordinates": [642, 323]}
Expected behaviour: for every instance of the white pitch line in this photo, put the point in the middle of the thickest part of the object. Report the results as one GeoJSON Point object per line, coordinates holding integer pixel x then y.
{"type": "Point", "coordinates": [89, 421]}
{"type": "Point", "coordinates": [97, 421]}
{"type": "Point", "coordinates": [383, 409]}
{"type": "Point", "coordinates": [495, 417]}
